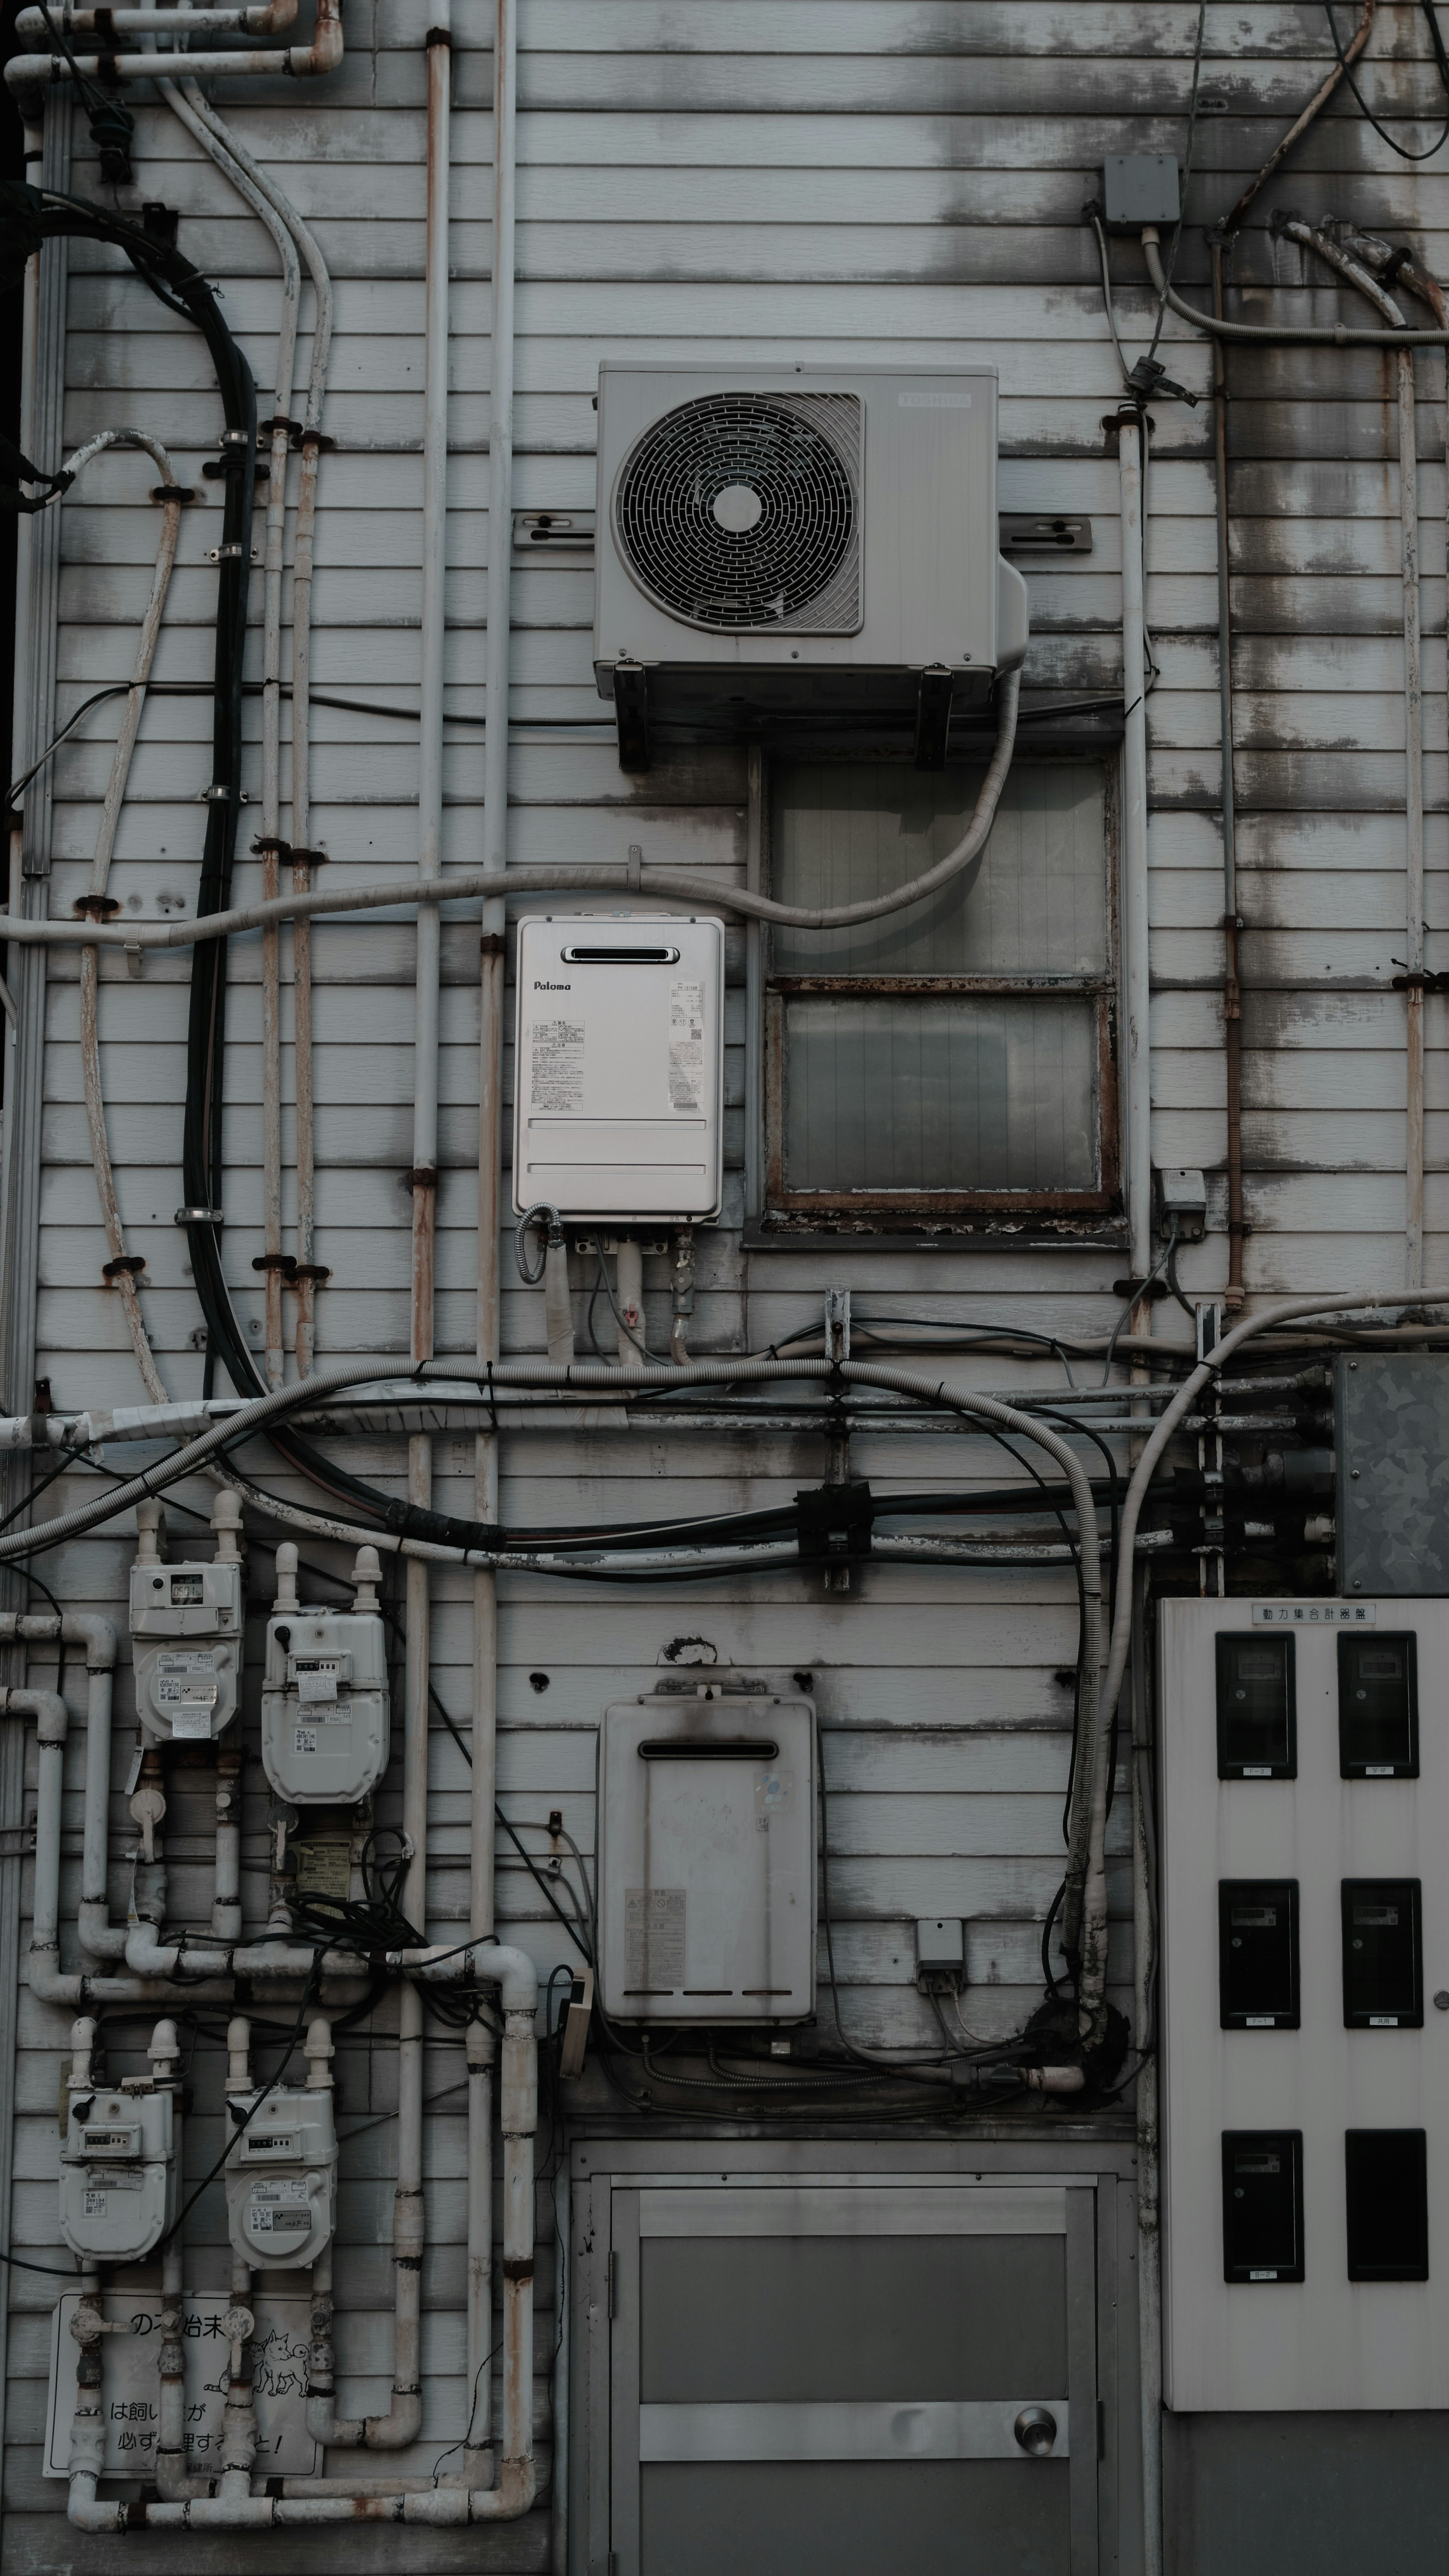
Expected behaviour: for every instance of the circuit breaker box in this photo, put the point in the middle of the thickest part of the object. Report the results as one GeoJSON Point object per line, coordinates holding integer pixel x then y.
{"type": "Point", "coordinates": [186, 1639]}
{"type": "Point", "coordinates": [707, 1860]}
{"type": "Point", "coordinates": [619, 1069]}
{"type": "Point", "coordinates": [117, 2175]}
{"type": "Point", "coordinates": [1304, 2004]}
{"type": "Point", "coordinates": [281, 2179]}
{"type": "Point", "coordinates": [325, 1706]}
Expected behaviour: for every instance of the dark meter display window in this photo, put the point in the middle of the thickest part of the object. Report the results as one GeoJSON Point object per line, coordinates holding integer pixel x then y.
{"type": "Point", "coordinates": [1257, 1723]}
{"type": "Point", "coordinates": [1385, 2171]}
{"type": "Point", "coordinates": [1263, 2205]}
{"type": "Point", "coordinates": [1383, 1986]}
{"type": "Point", "coordinates": [1258, 1953]}
{"type": "Point", "coordinates": [1378, 1708]}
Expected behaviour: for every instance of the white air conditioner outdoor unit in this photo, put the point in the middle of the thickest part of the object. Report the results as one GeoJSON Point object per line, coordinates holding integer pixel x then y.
{"type": "Point", "coordinates": [618, 1081]}
{"type": "Point", "coordinates": [793, 551]}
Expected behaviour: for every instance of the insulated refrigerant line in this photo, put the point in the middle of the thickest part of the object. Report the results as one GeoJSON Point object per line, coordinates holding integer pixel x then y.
{"type": "Point", "coordinates": [396, 894]}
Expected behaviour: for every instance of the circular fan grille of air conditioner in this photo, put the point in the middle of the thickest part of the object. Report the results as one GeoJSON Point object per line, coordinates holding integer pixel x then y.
{"type": "Point", "coordinates": [743, 457]}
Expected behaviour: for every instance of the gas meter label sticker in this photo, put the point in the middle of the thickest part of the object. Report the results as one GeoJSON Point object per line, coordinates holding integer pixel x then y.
{"type": "Point", "coordinates": [316, 1686]}
{"type": "Point", "coordinates": [185, 1681]}
{"type": "Point", "coordinates": [686, 1045]}
{"type": "Point", "coordinates": [558, 1064]}
{"type": "Point", "coordinates": [653, 1939]}
{"type": "Point", "coordinates": [130, 2408]}
{"type": "Point", "coordinates": [189, 1722]}
{"type": "Point", "coordinates": [1314, 1614]}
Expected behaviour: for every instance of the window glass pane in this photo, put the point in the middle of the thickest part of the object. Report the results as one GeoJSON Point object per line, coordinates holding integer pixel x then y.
{"type": "Point", "coordinates": [1036, 903]}
{"type": "Point", "coordinates": [964, 1092]}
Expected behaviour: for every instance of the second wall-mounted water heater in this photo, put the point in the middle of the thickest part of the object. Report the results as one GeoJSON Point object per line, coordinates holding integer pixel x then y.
{"type": "Point", "coordinates": [619, 1067]}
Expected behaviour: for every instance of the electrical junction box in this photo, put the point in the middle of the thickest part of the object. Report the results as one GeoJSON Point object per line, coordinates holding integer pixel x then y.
{"type": "Point", "coordinates": [326, 1719]}
{"type": "Point", "coordinates": [619, 1066]}
{"type": "Point", "coordinates": [1181, 1205]}
{"type": "Point", "coordinates": [281, 2179]}
{"type": "Point", "coordinates": [186, 1641]}
{"type": "Point", "coordinates": [707, 1860]}
{"type": "Point", "coordinates": [800, 543]}
{"type": "Point", "coordinates": [117, 2175]}
{"type": "Point", "coordinates": [1139, 188]}
{"type": "Point", "coordinates": [1304, 2004]}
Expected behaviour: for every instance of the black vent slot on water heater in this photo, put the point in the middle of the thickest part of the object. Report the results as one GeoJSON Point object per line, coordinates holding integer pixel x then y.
{"type": "Point", "coordinates": [1383, 1984]}
{"type": "Point", "coordinates": [1257, 1719]}
{"type": "Point", "coordinates": [1263, 2205]}
{"type": "Point", "coordinates": [1387, 2202]}
{"type": "Point", "coordinates": [1378, 1707]}
{"type": "Point", "coordinates": [1258, 1953]}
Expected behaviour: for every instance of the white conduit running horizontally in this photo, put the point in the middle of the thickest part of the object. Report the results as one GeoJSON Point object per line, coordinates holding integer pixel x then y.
{"type": "Point", "coordinates": [27, 76]}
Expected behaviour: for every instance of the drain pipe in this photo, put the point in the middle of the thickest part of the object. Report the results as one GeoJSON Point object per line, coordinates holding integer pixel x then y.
{"type": "Point", "coordinates": [402, 2424]}
{"type": "Point", "coordinates": [99, 1937]}
{"type": "Point", "coordinates": [498, 671]}
{"type": "Point", "coordinates": [1132, 432]}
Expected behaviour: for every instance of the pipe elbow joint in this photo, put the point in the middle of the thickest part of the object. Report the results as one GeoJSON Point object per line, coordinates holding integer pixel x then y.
{"type": "Point", "coordinates": [307, 62]}
{"type": "Point", "coordinates": [514, 1973]}
{"type": "Point", "coordinates": [398, 2430]}
{"type": "Point", "coordinates": [49, 1710]}
{"type": "Point", "coordinates": [274, 20]}
{"type": "Point", "coordinates": [98, 1636]}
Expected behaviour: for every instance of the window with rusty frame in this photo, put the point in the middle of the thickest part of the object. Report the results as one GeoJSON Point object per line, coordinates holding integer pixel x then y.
{"type": "Point", "coordinates": [954, 1063]}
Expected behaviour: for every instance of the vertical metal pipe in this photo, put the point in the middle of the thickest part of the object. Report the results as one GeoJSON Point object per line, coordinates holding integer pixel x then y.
{"type": "Point", "coordinates": [1232, 920]}
{"type": "Point", "coordinates": [1137, 1086]}
{"type": "Point", "coordinates": [1413, 833]}
{"type": "Point", "coordinates": [490, 1119]}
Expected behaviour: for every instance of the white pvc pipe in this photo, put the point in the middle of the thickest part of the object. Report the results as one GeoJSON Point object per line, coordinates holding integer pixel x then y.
{"type": "Point", "coordinates": [28, 75]}
{"type": "Point", "coordinates": [271, 21]}
{"type": "Point", "coordinates": [86, 1628]}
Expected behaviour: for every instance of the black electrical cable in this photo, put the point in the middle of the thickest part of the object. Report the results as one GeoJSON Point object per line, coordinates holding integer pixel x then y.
{"type": "Point", "coordinates": [1381, 130]}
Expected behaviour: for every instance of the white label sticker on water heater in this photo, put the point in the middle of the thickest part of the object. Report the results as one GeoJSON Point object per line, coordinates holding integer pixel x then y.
{"type": "Point", "coordinates": [558, 1065]}
{"type": "Point", "coordinates": [686, 1045]}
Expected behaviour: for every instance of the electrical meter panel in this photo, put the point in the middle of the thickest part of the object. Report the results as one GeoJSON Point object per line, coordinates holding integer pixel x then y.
{"type": "Point", "coordinates": [707, 1859]}
{"type": "Point", "coordinates": [619, 1087]}
{"type": "Point", "coordinates": [281, 2179]}
{"type": "Point", "coordinates": [186, 1640]}
{"type": "Point", "coordinates": [1304, 2004]}
{"type": "Point", "coordinates": [117, 2175]}
{"type": "Point", "coordinates": [326, 1709]}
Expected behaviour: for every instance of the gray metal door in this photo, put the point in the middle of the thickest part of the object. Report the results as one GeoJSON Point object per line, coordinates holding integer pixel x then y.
{"type": "Point", "coordinates": [865, 2379]}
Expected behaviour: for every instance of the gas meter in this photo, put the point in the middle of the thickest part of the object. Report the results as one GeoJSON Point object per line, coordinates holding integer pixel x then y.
{"type": "Point", "coordinates": [281, 2178]}
{"type": "Point", "coordinates": [186, 1630]}
{"type": "Point", "coordinates": [325, 1704]}
{"type": "Point", "coordinates": [117, 2174]}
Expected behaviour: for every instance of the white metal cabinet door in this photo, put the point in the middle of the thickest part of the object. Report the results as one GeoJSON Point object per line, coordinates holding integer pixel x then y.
{"type": "Point", "coordinates": [832, 2374]}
